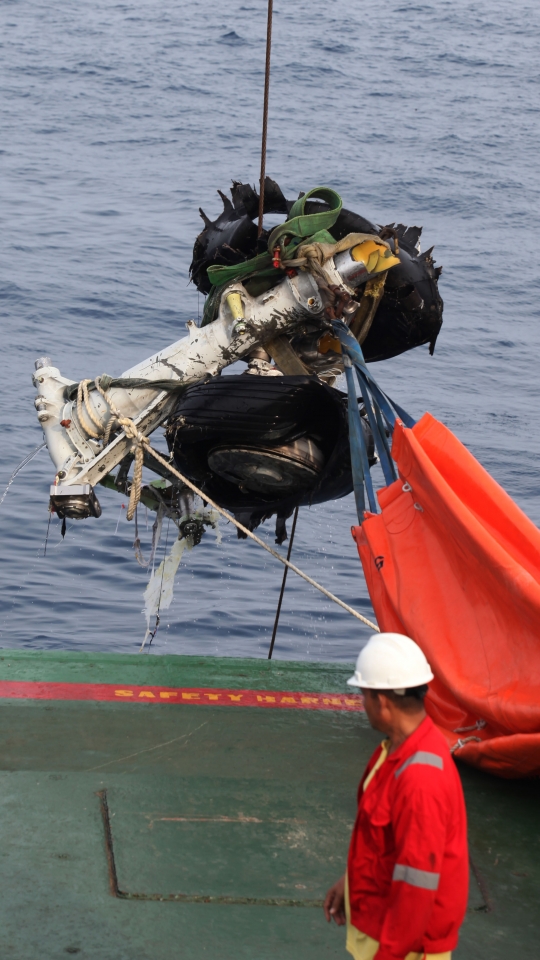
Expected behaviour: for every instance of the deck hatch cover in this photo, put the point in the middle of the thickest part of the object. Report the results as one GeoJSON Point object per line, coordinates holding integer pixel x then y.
{"type": "Point", "coordinates": [225, 842]}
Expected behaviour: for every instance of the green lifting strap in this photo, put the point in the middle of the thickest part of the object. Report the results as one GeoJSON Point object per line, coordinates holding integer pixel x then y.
{"type": "Point", "coordinates": [219, 275]}
{"type": "Point", "coordinates": [298, 225]}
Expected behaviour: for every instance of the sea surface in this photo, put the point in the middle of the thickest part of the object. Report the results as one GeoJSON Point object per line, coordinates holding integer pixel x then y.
{"type": "Point", "coordinates": [117, 121]}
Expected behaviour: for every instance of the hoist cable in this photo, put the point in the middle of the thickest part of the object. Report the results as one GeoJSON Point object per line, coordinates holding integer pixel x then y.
{"type": "Point", "coordinates": [265, 114]}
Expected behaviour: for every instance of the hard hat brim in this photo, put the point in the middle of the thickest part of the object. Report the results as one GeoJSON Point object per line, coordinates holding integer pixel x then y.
{"type": "Point", "coordinates": [355, 681]}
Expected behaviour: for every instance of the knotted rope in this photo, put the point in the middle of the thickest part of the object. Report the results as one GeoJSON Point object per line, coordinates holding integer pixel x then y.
{"type": "Point", "coordinates": [312, 255]}
{"type": "Point", "coordinates": [139, 442]}
{"type": "Point", "coordinates": [85, 411]}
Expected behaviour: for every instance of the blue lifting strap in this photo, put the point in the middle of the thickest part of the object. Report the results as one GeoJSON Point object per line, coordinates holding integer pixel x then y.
{"type": "Point", "coordinates": [359, 454]}
{"type": "Point", "coordinates": [352, 348]}
{"type": "Point", "coordinates": [379, 436]}
{"type": "Point", "coordinates": [355, 429]}
{"type": "Point", "coordinates": [380, 409]}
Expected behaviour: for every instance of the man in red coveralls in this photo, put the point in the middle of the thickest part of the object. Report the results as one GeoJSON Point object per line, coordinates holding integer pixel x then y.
{"type": "Point", "coordinates": [404, 894]}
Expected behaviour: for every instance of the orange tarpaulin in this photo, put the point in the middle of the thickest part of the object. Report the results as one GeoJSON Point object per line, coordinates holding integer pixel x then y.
{"type": "Point", "coordinates": [453, 563]}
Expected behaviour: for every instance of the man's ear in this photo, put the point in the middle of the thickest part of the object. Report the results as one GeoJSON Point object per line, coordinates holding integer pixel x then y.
{"type": "Point", "coordinates": [378, 699]}
{"type": "Point", "coordinates": [383, 700]}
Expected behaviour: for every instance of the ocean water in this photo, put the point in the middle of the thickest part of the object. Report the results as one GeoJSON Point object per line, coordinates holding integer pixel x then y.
{"type": "Point", "coordinates": [117, 121]}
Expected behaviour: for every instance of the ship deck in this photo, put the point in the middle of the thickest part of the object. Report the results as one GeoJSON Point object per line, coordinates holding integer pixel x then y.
{"type": "Point", "coordinates": [159, 807]}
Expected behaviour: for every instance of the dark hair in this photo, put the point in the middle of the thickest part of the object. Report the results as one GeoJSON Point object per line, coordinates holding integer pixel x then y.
{"type": "Point", "coordinates": [413, 696]}
{"type": "Point", "coordinates": [417, 692]}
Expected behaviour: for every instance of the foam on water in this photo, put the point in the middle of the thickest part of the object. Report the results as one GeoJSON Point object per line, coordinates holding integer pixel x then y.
{"type": "Point", "coordinates": [117, 121]}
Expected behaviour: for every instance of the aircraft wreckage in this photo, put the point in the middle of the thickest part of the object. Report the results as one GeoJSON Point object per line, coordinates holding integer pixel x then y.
{"type": "Point", "coordinates": [275, 436]}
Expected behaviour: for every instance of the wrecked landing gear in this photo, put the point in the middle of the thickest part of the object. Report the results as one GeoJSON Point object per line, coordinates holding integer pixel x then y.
{"type": "Point", "coordinates": [410, 311]}
{"type": "Point", "coordinates": [260, 446]}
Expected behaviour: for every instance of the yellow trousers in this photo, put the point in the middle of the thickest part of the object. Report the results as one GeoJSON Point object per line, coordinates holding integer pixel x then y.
{"type": "Point", "coordinates": [363, 947]}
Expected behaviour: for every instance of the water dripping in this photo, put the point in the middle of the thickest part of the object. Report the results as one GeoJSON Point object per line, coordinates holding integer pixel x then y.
{"type": "Point", "coordinates": [22, 464]}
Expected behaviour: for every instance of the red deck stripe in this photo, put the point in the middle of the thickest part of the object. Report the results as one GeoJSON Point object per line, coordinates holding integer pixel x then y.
{"type": "Point", "coordinates": [211, 696]}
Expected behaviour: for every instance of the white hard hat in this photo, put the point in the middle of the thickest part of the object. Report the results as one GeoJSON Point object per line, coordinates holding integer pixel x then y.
{"type": "Point", "coordinates": [390, 661]}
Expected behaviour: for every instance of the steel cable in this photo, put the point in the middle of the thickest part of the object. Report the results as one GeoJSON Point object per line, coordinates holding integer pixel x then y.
{"type": "Point", "coordinates": [265, 114]}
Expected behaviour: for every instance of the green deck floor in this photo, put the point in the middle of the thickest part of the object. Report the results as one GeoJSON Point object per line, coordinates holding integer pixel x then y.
{"type": "Point", "coordinates": [226, 824]}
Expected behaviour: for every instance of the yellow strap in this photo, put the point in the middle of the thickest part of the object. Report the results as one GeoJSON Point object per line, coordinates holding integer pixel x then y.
{"type": "Point", "coordinates": [380, 760]}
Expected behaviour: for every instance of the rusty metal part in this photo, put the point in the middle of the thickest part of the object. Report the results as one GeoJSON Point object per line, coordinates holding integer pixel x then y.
{"type": "Point", "coordinates": [285, 357]}
{"type": "Point", "coordinates": [338, 301]}
{"type": "Point", "coordinates": [390, 232]}
{"type": "Point", "coordinates": [258, 353]}
{"type": "Point", "coordinates": [327, 342]}
{"type": "Point", "coordinates": [109, 851]}
{"type": "Point", "coordinates": [373, 293]}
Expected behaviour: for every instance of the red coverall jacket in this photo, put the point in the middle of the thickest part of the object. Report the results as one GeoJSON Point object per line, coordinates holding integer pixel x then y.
{"type": "Point", "coordinates": [408, 867]}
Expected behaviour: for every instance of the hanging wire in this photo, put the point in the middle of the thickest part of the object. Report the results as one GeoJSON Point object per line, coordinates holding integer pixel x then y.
{"type": "Point", "coordinates": [47, 534]}
{"type": "Point", "coordinates": [282, 591]}
{"type": "Point", "coordinates": [155, 630]}
{"type": "Point", "coordinates": [122, 507]}
{"type": "Point", "coordinates": [18, 469]}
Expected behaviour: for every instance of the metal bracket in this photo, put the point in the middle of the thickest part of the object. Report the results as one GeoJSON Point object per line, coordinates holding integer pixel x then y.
{"type": "Point", "coordinates": [111, 456]}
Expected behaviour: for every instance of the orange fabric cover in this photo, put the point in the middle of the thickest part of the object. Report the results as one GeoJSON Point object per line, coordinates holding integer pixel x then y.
{"type": "Point", "coordinates": [455, 565]}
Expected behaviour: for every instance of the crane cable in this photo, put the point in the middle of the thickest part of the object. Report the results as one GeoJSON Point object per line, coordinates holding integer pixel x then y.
{"type": "Point", "coordinates": [265, 114]}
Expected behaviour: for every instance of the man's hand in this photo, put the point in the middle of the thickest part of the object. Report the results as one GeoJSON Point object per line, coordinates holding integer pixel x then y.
{"type": "Point", "coordinates": [334, 904]}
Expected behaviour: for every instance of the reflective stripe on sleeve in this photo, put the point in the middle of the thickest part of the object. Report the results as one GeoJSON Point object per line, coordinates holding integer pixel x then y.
{"type": "Point", "coordinates": [417, 878]}
{"type": "Point", "coordinates": [421, 756]}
